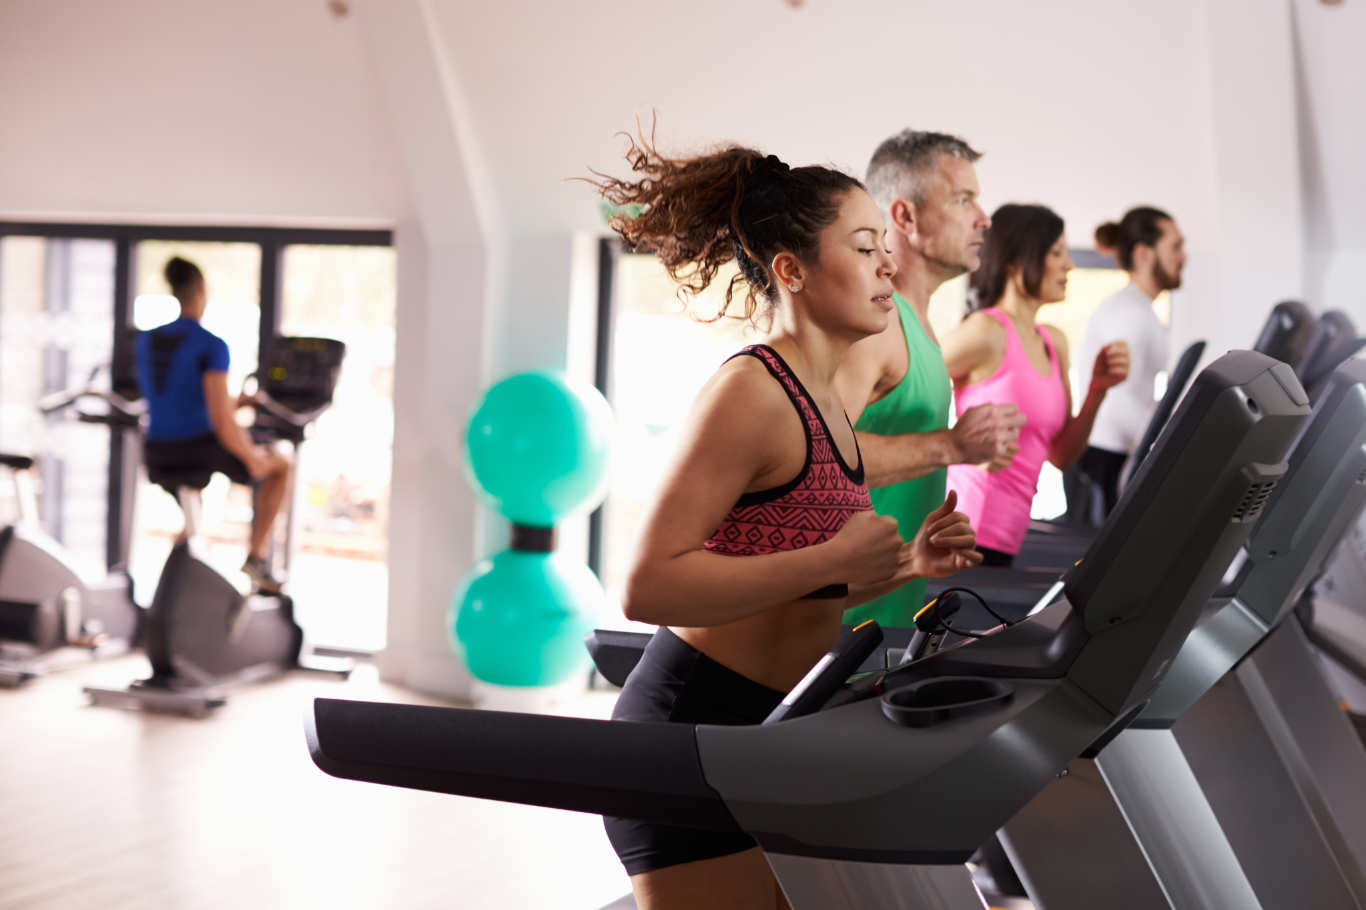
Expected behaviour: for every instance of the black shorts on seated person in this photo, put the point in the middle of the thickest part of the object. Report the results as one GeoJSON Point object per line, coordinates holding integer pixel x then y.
{"type": "Point", "coordinates": [204, 453]}
{"type": "Point", "coordinates": [676, 682]}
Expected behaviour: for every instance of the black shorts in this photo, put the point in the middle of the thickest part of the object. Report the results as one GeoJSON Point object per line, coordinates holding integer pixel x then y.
{"type": "Point", "coordinates": [199, 452]}
{"type": "Point", "coordinates": [676, 682]}
{"type": "Point", "coordinates": [992, 557]}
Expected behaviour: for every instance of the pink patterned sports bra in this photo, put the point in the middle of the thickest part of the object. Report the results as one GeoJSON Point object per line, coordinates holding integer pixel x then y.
{"type": "Point", "coordinates": [810, 508]}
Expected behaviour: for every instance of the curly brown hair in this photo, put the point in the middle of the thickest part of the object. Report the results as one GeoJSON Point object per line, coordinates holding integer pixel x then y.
{"type": "Point", "coordinates": [696, 214]}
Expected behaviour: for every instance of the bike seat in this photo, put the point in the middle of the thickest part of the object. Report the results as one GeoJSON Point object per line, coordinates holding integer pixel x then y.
{"type": "Point", "coordinates": [17, 462]}
{"type": "Point", "coordinates": [173, 480]}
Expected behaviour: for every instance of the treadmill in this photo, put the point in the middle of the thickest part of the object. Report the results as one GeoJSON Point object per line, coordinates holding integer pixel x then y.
{"type": "Point", "coordinates": [1242, 772]}
{"type": "Point", "coordinates": [1333, 342]}
{"type": "Point", "coordinates": [1287, 332]}
{"type": "Point", "coordinates": [1333, 617]}
{"type": "Point", "coordinates": [1334, 614]}
{"type": "Point", "coordinates": [1312, 346]}
{"type": "Point", "coordinates": [879, 795]}
{"type": "Point", "coordinates": [1288, 335]}
{"type": "Point", "coordinates": [1054, 545]}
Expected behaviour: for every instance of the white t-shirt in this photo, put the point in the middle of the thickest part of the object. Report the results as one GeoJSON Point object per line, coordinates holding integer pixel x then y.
{"type": "Point", "coordinates": [1126, 315]}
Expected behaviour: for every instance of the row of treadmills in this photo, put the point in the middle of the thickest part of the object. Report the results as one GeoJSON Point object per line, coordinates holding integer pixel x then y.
{"type": "Point", "coordinates": [1153, 729]}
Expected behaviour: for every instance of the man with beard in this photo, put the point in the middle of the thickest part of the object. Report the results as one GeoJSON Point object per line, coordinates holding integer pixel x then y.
{"type": "Point", "coordinates": [894, 384]}
{"type": "Point", "coordinates": [1150, 247]}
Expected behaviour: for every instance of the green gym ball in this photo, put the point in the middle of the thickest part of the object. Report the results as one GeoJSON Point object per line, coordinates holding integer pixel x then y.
{"type": "Point", "coordinates": [519, 619]}
{"type": "Point", "coordinates": [536, 448]}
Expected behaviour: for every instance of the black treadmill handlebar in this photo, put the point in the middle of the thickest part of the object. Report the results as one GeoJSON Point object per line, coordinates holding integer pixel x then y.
{"type": "Point", "coordinates": [828, 674]}
{"type": "Point", "coordinates": [648, 771]}
{"type": "Point", "coordinates": [1177, 381]}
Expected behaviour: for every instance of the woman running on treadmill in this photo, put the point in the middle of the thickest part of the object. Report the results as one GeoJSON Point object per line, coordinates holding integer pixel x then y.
{"type": "Point", "coordinates": [183, 375]}
{"type": "Point", "coordinates": [762, 532]}
{"type": "Point", "coordinates": [1001, 353]}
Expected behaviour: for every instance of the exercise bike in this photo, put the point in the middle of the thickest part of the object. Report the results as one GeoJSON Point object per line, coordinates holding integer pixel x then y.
{"type": "Point", "coordinates": [51, 616]}
{"type": "Point", "coordinates": [203, 633]}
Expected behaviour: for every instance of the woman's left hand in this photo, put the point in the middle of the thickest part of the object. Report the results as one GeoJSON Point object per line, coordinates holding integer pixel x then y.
{"type": "Point", "coordinates": [945, 543]}
{"type": "Point", "coordinates": [1111, 366]}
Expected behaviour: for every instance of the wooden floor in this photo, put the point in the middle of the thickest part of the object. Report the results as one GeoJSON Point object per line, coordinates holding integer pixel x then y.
{"type": "Point", "coordinates": [113, 810]}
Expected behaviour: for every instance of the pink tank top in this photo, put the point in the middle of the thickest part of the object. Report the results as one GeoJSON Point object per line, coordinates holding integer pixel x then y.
{"type": "Point", "coordinates": [998, 504]}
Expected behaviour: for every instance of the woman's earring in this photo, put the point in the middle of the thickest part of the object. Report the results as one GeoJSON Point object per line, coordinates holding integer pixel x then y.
{"type": "Point", "coordinates": [795, 287]}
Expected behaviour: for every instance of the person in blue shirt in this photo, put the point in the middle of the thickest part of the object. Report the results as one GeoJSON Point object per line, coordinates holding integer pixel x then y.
{"type": "Point", "coordinates": [183, 375]}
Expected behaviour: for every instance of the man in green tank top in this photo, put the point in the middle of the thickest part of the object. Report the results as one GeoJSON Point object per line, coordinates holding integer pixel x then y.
{"type": "Point", "coordinates": [894, 384]}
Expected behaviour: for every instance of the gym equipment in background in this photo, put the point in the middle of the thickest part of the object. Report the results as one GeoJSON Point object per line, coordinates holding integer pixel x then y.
{"type": "Point", "coordinates": [537, 450]}
{"type": "Point", "coordinates": [1204, 795]}
{"type": "Point", "coordinates": [1051, 547]}
{"type": "Point", "coordinates": [50, 616]}
{"type": "Point", "coordinates": [202, 632]}
{"type": "Point", "coordinates": [1286, 333]}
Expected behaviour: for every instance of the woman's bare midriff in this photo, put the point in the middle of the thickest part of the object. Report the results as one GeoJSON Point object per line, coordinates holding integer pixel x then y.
{"type": "Point", "coordinates": [775, 647]}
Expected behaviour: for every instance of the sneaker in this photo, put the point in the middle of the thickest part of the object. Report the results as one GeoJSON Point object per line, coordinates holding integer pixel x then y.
{"type": "Point", "coordinates": [259, 573]}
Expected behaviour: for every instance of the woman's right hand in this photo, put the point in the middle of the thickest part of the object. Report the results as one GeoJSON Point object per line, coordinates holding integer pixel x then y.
{"type": "Point", "coordinates": [868, 547]}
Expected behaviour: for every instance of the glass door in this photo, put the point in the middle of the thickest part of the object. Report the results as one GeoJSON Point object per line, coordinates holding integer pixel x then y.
{"type": "Point", "coordinates": [340, 576]}
{"type": "Point", "coordinates": [56, 324]}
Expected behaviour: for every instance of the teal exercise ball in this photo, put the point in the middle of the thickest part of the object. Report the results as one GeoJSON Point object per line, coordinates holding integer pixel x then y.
{"type": "Point", "coordinates": [519, 619]}
{"type": "Point", "coordinates": [537, 447]}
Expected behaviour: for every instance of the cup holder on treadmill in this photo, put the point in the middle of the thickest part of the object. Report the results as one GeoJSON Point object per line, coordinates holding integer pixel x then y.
{"type": "Point", "coordinates": [933, 701]}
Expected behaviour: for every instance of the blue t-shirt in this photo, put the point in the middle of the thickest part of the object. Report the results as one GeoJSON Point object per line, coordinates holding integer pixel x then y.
{"type": "Point", "coordinates": [172, 361]}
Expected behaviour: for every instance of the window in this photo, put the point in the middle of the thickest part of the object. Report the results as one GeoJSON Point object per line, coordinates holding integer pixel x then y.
{"type": "Point", "coordinates": [342, 483]}
{"type": "Point", "coordinates": [65, 300]}
{"type": "Point", "coordinates": [56, 323]}
{"type": "Point", "coordinates": [660, 357]}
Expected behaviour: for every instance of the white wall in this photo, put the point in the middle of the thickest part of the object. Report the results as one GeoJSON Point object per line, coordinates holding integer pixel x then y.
{"type": "Point", "coordinates": [448, 252]}
{"type": "Point", "coordinates": [1332, 131]}
{"type": "Point", "coordinates": [1090, 108]}
{"type": "Point", "coordinates": [255, 110]}
{"type": "Point", "coordinates": [1255, 175]}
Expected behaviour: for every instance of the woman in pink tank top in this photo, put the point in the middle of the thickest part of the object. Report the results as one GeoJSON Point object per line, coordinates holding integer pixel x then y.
{"type": "Point", "coordinates": [1001, 354]}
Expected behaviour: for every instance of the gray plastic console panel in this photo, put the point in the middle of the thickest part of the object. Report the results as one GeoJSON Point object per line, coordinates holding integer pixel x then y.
{"type": "Point", "coordinates": [1318, 502]}
{"type": "Point", "coordinates": [1152, 569]}
{"type": "Point", "coordinates": [1319, 499]}
{"type": "Point", "coordinates": [903, 795]}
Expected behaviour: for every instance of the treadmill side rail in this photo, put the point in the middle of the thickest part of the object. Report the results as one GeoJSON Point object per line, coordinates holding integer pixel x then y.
{"type": "Point", "coordinates": [648, 771]}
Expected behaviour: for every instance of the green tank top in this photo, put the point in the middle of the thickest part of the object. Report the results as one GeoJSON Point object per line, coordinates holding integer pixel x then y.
{"type": "Point", "coordinates": [919, 404]}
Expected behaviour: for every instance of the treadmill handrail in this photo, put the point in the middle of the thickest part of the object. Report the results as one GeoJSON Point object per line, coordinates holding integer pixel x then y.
{"type": "Point", "coordinates": [1286, 333]}
{"type": "Point", "coordinates": [640, 769]}
{"type": "Point", "coordinates": [1180, 377]}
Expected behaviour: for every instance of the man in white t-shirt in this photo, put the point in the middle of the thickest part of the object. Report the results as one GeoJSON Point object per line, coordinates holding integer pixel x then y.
{"type": "Point", "coordinates": [1149, 246]}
